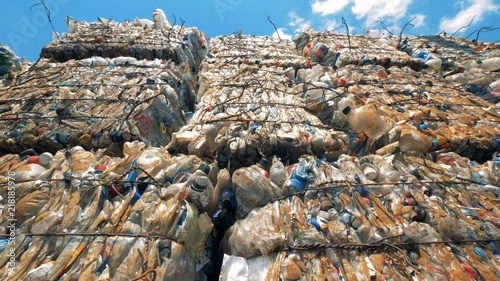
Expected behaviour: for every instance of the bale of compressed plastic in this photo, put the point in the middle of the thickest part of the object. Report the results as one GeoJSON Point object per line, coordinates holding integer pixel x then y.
{"type": "Point", "coordinates": [121, 202]}
{"type": "Point", "coordinates": [411, 213]}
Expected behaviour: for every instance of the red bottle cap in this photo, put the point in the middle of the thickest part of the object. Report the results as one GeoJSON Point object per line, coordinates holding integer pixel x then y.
{"type": "Point", "coordinates": [100, 168]}
{"type": "Point", "coordinates": [34, 160]}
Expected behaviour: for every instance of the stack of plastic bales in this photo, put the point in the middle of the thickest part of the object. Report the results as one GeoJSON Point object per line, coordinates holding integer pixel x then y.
{"type": "Point", "coordinates": [134, 151]}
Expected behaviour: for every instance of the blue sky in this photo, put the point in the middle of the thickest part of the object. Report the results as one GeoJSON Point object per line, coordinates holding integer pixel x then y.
{"type": "Point", "coordinates": [27, 30]}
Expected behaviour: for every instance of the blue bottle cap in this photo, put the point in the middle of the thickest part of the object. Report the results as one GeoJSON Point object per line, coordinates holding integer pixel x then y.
{"type": "Point", "coordinates": [254, 127]}
{"type": "Point", "coordinates": [363, 192]}
{"type": "Point", "coordinates": [64, 138]}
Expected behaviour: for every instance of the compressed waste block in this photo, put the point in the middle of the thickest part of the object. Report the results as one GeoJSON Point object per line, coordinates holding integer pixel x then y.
{"type": "Point", "coordinates": [98, 100]}
{"type": "Point", "coordinates": [424, 216]}
{"type": "Point", "coordinates": [114, 216]}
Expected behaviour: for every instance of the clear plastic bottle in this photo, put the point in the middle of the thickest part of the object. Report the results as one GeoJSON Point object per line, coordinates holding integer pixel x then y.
{"type": "Point", "coordinates": [200, 192]}
{"type": "Point", "coordinates": [370, 120]}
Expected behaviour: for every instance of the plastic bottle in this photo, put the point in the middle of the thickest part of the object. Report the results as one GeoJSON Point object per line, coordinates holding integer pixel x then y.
{"type": "Point", "coordinates": [331, 58]}
{"type": "Point", "coordinates": [199, 192]}
{"type": "Point", "coordinates": [277, 173]}
{"type": "Point", "coordinates": [223, 182]}
{"type": "Point", "coordinates": [317, 92]}
{"type": "Point", "coordinates": [319, 51]}
{"type": "Point", "coordinates": [490, 64]}
{"type": "Point", "coordinates": [34, 160]}
{"type": "Point", "coordinates": [253, 189]}
{"type": "Point", "coordinates": [370, 120]}
{"type": "Point", "coordinates": [225, 216]}
{"type": "Point", "coordinates": [374, 33]}
{"type": "Point", "coordinates": [181, 220]}
{"type": "Point", "coordinates": [301, 41]}
{"type": "Point", "coordinates": [130, 182]}
{"type": "Point", "coordinates": [414, 141]}
{"type": "Point", "coordinates": [369, 170]}
{"type": "Point", "coordinates": [299, 179]}
{"type": "Point", "coordinates": [495, 167]}
{"type": "Point", "coordinates": [99, 170]}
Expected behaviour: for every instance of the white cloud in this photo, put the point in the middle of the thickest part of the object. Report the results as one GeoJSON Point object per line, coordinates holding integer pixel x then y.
{"type": "Point", "coordinates": [330, 24]}
{"type": "Point", "coordinates": [282, 34]}
{"type": "Point", "coordinates": [476, 8]}
{"type": "Point", "coordinates": [299, 24]}
{"type": "Point", "coordinates": [296, 23]}
{"type": "Point", "coordinates": [372, 10]}
{"type": "Point", "coordinates": [329, 7]}
{"type": "Point", "coordinates": [419, 20]}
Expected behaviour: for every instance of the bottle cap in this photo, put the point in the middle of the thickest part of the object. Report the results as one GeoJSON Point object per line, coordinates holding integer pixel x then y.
{"type": "Point", "coordinates": [204, 168]}
{"type": "Point", "coordinates": [63, 138]}
{"type": "Point", "coordinates": [100, 168]}
{"type": "Point", "coordinates": [28, 152]}
{"type": "Point", "coordinates": [34, 160]}
{"type": "Point", "coordinates": [369, 171]}
{"type": "Point", "coordinates": [200, 184]}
